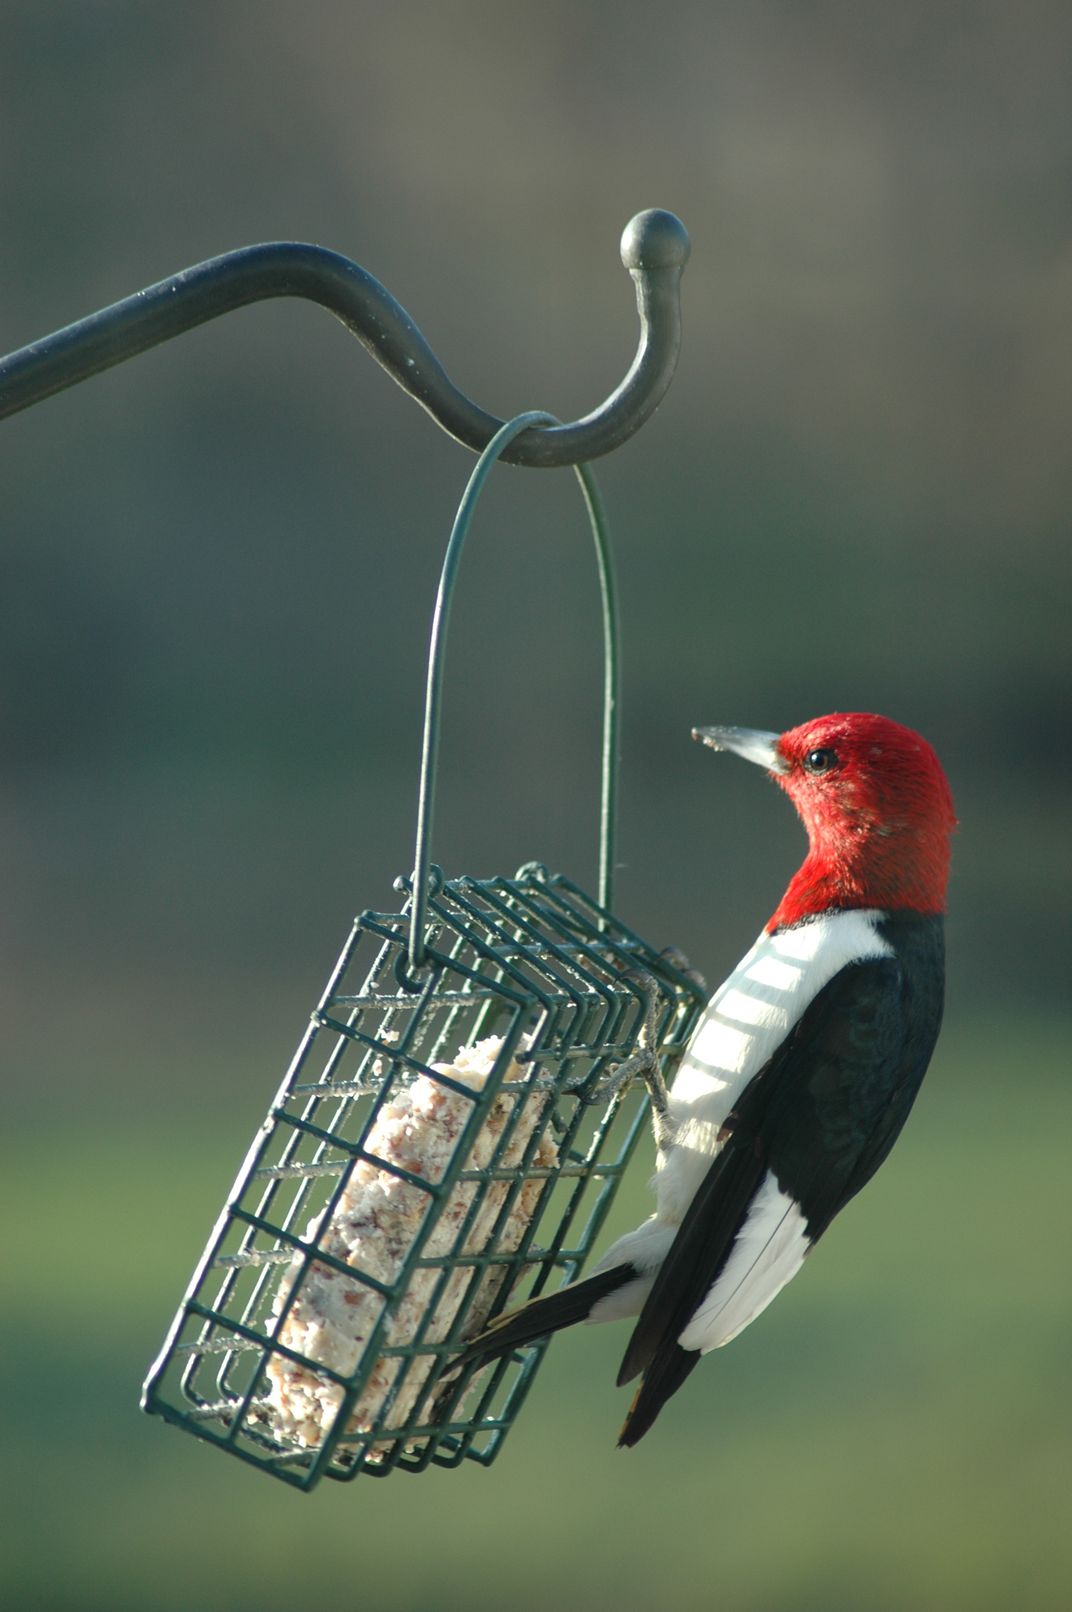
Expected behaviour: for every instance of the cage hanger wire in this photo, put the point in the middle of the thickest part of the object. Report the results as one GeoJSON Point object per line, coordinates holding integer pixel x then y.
{"type": "Point", "coordinates": [654, 248]}
{"type": "Point", "coordinates": [494, 451]}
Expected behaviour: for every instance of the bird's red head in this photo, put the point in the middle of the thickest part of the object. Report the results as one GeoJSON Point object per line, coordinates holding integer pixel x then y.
{"type": "Point", "coordinates": [877, 807]}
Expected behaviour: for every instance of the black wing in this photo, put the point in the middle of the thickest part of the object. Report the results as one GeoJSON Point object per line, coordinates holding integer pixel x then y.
{"type": "Point", "coordinates": [821, 1114]}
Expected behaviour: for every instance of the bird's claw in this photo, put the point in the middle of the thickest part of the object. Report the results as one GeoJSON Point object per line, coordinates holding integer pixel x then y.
{"type": "Point", "coordinates": [677, 960]}
{"type": "Point", "coordinates": [644, 1064]}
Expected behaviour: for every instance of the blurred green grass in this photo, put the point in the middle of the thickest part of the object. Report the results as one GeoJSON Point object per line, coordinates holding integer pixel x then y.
{"type": "Point", "coordinates": [893, 1434]}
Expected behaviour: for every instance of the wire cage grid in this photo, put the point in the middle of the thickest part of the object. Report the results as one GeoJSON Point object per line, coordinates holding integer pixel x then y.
{"type": "Point", "coordinates": [539, 966]}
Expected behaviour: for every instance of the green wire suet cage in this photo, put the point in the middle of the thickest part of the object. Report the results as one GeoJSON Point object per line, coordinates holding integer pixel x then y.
{"type": "Point", "coordinates": [526, 962]}
{"type": "Point", "coordinates": [460, 1110]}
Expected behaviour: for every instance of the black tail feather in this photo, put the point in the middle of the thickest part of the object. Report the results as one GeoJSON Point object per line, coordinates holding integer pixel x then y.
{"type": "Point", "coordinates": [544, 1315]}
{"type": "Point", "coordinates": [663, 1377]}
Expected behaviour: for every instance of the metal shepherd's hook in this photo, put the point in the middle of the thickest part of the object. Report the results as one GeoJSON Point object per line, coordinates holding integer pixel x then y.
{"type": "Point", "coordinates": [655, 247]}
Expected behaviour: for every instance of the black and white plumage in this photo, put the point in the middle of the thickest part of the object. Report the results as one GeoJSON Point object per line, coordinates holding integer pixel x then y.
{"type": "Point", "coordinates": [801, 1072]}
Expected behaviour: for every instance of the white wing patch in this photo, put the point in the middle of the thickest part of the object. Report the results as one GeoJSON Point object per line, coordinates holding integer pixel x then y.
{"type": "Point", "coordinates": [768, 1251]}
{"type": "Point", "coordinates": [746, 1019]}
{"type": "Point", "coordinates": [761, 1001]}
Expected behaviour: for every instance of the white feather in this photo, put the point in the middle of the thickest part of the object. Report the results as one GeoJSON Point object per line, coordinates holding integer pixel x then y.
{"type": "Point", "coordinates": [745, 1021]}
{"type": "Point", "coordinates": [769, 1250]}
{"type": "Point", "coordinates": [624, 1304]}
{"type": "Point", "coordinates": [645, 1248]}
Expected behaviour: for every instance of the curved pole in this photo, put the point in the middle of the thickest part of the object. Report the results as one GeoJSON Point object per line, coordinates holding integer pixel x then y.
{"type": "Point", "coordinates": [655, 248]}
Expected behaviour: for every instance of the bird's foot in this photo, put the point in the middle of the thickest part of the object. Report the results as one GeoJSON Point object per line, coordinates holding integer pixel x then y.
{"type": "Point", "coordinates": [677, 959]}
{"type": "Point", "coordinates": [643, 1064]}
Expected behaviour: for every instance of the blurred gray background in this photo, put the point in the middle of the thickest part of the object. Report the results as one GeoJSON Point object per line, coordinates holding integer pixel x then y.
{"type": "Point", "coordinates": [218, 565]}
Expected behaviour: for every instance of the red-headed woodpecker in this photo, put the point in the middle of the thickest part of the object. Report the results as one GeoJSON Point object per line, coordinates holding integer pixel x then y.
{"type": "Point", "coordinates": [802, 1070]}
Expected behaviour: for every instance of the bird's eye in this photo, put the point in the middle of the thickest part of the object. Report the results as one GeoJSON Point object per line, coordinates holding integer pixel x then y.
{"type": "Point", "coordinates": [819, 761]}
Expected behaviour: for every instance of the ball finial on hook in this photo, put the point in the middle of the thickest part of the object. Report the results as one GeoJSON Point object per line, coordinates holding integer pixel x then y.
{"type": "Point", "coordinates": [655, 239]}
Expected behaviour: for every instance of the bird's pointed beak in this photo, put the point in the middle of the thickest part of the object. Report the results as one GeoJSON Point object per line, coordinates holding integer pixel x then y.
{"type": "Point", "coordinates": [751, 743]}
